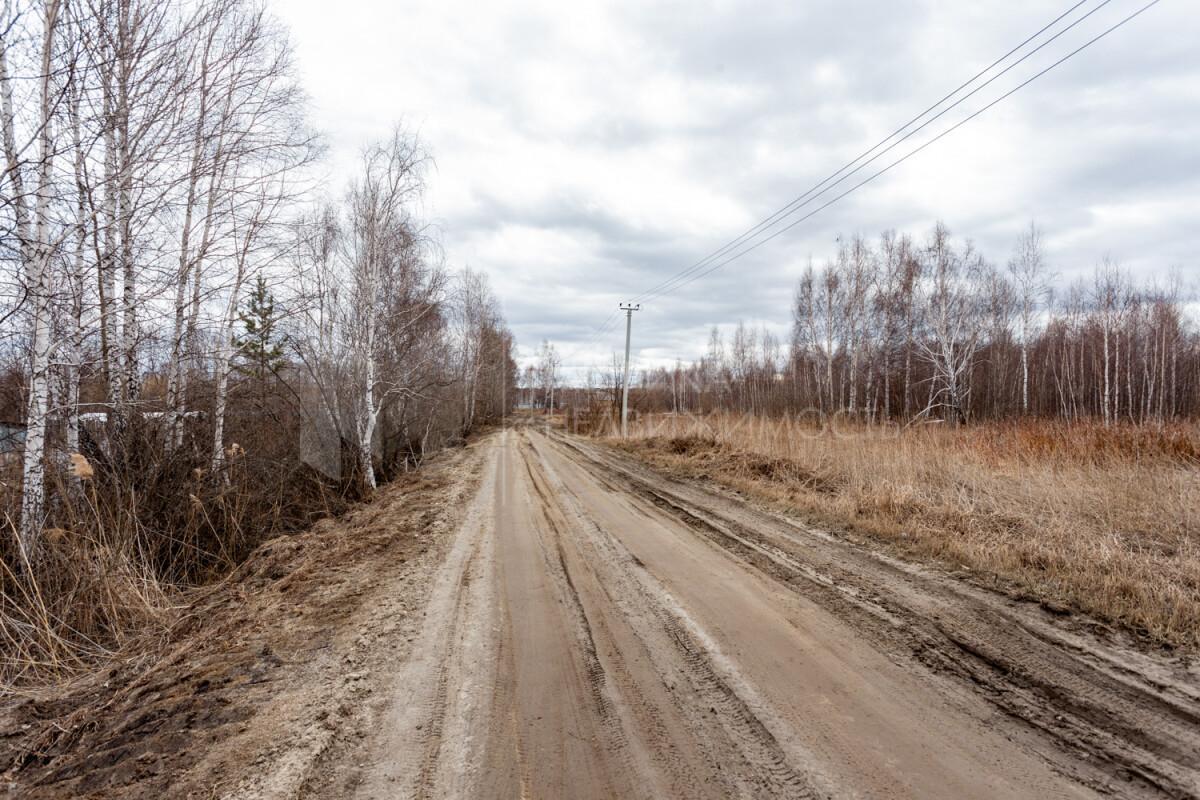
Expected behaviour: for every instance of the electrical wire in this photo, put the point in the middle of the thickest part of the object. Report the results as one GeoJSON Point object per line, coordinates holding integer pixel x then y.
{"type": "Point", "coordinates": [825, 185]}
{"type": "Point", "coordinates": [916, 150]}
{"type": "Point", "coordinates": [706, 266]}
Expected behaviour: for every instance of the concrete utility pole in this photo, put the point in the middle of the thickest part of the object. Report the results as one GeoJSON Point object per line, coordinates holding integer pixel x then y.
{"type": "Point", "coordinates": [628, 308]}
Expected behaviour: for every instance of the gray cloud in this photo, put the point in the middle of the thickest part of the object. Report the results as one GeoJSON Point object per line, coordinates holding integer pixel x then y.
{"type": "Point", "coordinates": [586, 152]}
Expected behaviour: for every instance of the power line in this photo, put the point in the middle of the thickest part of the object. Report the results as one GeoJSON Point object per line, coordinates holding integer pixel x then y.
{"type": "Point", "coordinates": [820, 188]}
{"type": "Point", "coordinates": [705, 266]}
{"type": "Point", "coordinates": [788, 209]}
{"type": "Point", "coordinates": [916, 150]}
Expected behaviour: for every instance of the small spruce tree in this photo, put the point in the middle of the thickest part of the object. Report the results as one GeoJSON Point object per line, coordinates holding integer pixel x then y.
{"type": "Point", "coordinates": [260, 352]}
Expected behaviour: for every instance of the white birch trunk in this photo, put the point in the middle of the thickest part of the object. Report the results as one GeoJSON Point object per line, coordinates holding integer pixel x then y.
{"type": "Point", "coordinates": [1024, 374]}
{"type": "Point", "coordinates": [36, 252]}
{"type": "Point", "coordinates": [224, 355]}
{"type": "Point", "coordinates": [78, 277]}
{"type": "Point", "coordinates": [107, 281]}
{"type": "Point", "coordinates": [1104, 401]}
{"type": "Point", "coordinates": [367, 417]}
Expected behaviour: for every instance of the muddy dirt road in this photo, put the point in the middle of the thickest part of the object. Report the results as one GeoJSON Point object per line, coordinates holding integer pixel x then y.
{"type": "Point", "coordinates": [538, 616]}
{"type": "Point", "coordinates": [596, 630]}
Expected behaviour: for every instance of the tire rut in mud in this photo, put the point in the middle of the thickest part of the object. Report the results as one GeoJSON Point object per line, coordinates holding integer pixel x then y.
{"type": "Point", "coordinates": [1118, 731]}
{"type": "Point", "coordinates": [616, 738]}
{"type": "Point", "coordinates": [754, 762]}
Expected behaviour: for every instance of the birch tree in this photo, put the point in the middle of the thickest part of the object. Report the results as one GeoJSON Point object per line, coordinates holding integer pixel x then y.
{"type": "Point", "coordinates": [548, 364]}
{"type": "Point", "coordinates": [1028, 270]}
{"type": "Point", "coordinates": [32, 192]}
{"type": "Point", "coordinates": [1107, 295]}
{"type": "Point", "coordinates": [474, 316]}
{"type": "Point", "coordinates": [376, 229]}
{"type": "Point", "coordinates": [952, 313]}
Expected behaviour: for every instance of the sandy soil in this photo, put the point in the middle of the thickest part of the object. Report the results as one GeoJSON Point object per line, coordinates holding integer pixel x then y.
{"type": "Point", "coordinates": [568, 623]}
{"type": "Point", "coordinates": [263, 679]}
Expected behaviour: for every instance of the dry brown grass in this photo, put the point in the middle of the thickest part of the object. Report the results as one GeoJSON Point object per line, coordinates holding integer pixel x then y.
{"type": "Point", "coordinates": [129, 541]}
{"type": "Point", "coordinates": [188, 687]}
{"type": "Point", "coordinates": [1104, 520]}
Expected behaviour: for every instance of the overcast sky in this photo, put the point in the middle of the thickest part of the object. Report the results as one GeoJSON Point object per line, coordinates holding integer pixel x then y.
{"type": "Point", "coordinates": [587, 151]}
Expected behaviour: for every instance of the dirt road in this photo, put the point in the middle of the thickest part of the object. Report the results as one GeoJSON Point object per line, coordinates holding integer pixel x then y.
{"type": "Point", "coordinates": [538, 616]}
{"type": "Point", "coordinates": [596, 630]}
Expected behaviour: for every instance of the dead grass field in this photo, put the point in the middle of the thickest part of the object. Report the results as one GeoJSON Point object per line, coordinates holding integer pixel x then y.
{"type": "Point", "coordinates": [1102, 520]}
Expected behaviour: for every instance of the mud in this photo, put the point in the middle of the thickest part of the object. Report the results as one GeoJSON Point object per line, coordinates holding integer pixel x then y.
{"type": "Point", "coordinates": [628, 635]}
{"type": "Point", "coordinates": [550, 618]}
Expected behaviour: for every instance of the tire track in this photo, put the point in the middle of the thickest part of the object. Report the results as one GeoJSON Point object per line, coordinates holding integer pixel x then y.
{"type": "Point", "coordinates": [616, 739]}
{"type": "Point", "coordinates": [716, 709]}
{"type": "Point", "coordinates": [413, 751]}
{"type": "Point", "coordinates": [431, 730]}
{"type": "Point", "coordinates": [1099, 720]}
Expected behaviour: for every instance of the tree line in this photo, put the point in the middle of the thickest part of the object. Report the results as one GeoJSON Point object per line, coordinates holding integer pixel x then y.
{"type": "Point", "coordinates": [199, 348]}
{"type": "Point", "coordinates": [901, 329]}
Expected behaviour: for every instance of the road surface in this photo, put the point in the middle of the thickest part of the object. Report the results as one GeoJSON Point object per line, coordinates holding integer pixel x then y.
{"type": "Point", "coordinates": [599, 631]}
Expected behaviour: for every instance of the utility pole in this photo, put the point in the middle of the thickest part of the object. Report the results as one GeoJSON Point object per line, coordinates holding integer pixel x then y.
{"type": "Point", "coordinates": [628, 308]}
